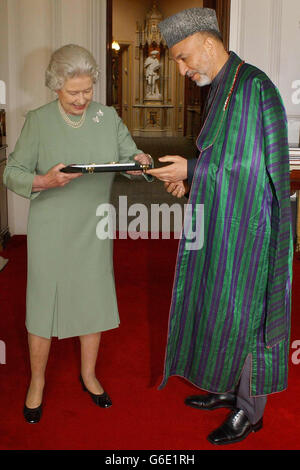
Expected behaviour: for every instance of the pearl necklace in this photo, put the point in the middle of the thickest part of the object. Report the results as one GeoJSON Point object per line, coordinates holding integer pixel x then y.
{"type": "Point", "coordinates": [74, 124]}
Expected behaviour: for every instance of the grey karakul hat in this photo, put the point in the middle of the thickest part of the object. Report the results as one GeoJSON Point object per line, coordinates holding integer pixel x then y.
{"type": "Point", "coordinates": [187, 22]}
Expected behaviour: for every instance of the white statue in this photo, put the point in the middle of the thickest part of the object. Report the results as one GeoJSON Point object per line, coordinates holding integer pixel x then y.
{"type": "Point", "coordinates": [152, 66]}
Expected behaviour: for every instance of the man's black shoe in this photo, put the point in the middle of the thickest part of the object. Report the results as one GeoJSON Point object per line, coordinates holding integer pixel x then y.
{"type": "Point", "coordinates": [234, 429]}
{"type": "Point", "coordinates": [212, 401]}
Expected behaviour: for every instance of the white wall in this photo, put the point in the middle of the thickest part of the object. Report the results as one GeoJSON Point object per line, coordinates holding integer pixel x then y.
{"type": "Point", "coordinates": [30, 31]}
{"type": "Point", "coordinates": [263, 32]}
{"type": "Point", "coordinates": [266, 33]}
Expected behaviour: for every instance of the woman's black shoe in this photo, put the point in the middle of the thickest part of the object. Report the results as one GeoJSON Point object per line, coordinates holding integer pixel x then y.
{"type": "Point", "coordinates": [32, 415]}
{"type": "Point", "coordinates": [102, 400]}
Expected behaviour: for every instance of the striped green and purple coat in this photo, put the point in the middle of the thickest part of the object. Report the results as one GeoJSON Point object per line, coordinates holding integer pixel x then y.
{"type": "Point", "coordinates": [232, 297]}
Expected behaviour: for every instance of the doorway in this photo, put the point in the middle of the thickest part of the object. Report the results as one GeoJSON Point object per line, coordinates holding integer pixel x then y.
{"type": "Point", "coordinates": [120, 68]}
{"type": "Point", "coordinates": [121, 80]}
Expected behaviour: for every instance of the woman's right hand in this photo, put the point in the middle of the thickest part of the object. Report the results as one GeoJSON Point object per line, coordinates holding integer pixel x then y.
{"type": "Point", "coordinates": [53, 179]}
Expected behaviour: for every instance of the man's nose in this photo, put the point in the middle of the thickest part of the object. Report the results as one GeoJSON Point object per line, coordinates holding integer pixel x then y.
{"type": "Point", "coordinates": [182, 68]}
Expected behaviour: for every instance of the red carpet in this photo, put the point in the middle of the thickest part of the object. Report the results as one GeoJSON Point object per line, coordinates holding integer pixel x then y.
{"type": "Point", "coordinates": [130, 368]}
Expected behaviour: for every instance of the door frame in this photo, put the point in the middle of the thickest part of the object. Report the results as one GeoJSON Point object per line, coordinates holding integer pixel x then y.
{"type": "Point", "coordinates": [108, 52]}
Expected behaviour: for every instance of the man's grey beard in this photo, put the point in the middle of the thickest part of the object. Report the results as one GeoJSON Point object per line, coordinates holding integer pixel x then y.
{"type": "Point", "coordinates": [205, 81]}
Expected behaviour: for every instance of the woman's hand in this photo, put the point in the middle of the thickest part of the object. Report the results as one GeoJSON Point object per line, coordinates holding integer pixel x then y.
{"type": "Point", "coordinates": [171, 173]}
{"type": "Point", "coordinates": [53, 179]}
{"type": "Point", "coordinates": [178, 189]}
{"type": "Point", "coordinates": [142, 159]}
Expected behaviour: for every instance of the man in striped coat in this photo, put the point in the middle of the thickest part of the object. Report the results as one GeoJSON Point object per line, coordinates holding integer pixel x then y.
{"type": "Point", "coordinates": [229, 323]}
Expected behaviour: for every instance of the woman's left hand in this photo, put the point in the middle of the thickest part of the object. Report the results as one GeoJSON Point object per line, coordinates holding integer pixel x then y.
{"type": "Point", "coordinates": [142, 159]}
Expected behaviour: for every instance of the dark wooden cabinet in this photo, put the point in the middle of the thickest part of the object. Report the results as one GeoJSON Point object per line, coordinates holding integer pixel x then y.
{"type": "Point", "coordinates": [4, 232]}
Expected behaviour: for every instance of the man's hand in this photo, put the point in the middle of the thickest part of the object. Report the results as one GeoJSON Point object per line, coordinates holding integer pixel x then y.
{"type": "Point", "coordinates": [177, 189]}
{"type": "Point", "coordinates": [171, 173]}
{"type": "Point", "coordinates": [142, 159]}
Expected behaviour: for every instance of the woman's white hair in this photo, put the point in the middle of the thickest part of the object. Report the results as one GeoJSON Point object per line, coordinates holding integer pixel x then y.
{"type": "Point", "coordinates": [67, 62]}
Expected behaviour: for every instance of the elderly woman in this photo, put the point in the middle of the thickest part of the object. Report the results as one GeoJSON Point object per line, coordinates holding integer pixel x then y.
{"type": "Point", "coordinates": [70, 285]}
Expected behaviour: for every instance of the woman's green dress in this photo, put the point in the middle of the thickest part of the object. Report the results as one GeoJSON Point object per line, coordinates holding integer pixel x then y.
{"type": "Point", "coordinates": [70, 284]}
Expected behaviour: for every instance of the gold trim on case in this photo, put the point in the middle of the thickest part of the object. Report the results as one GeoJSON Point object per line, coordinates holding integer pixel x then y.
{"type": "Point", "coordinates": [90, 169]}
